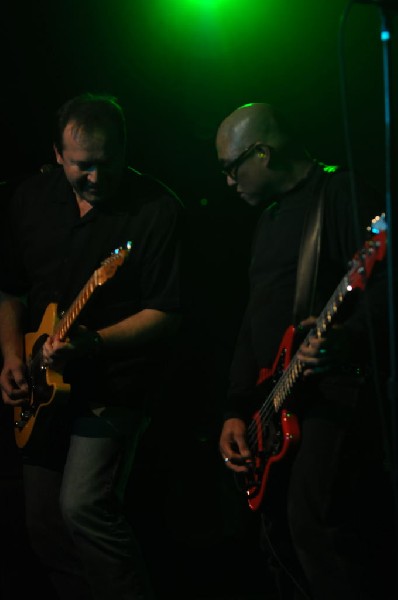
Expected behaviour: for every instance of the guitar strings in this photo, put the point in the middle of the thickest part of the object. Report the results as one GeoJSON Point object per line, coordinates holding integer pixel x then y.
{"type": "Point", "coordinates": [284, 385]}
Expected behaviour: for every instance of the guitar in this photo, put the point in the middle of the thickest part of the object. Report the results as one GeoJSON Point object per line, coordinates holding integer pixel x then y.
{"type": "Point", "coordinates": [47, 387]}
{"type": "Point", "coordinates": [273, 431]}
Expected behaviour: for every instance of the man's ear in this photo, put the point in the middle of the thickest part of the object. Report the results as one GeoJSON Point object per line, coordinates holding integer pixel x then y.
{"type": "Point", "coordinates": [58, 156]}
{"type": "Point", "coordinates": [263, 152]}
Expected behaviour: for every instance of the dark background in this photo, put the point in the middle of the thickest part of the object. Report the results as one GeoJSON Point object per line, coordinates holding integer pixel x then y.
{"type": "Point", "coordinates": [178, 67]}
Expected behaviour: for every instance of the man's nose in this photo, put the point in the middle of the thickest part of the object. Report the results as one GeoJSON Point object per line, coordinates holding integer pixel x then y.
{"type": "Point", "coordinates": [92, 174]}
{"type": "Point", "coordinates": [230, 180]}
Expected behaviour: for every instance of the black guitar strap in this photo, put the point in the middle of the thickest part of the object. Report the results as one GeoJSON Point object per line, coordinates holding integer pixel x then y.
{"type": "Point", "coordinates": [310, 249]}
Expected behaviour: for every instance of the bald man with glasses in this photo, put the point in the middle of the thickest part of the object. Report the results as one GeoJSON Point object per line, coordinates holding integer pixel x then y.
{"type": "Point", "coordinates": [308, 454]}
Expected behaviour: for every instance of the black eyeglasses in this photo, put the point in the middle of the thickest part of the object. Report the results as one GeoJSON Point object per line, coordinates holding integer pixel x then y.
{"type": "Point", "coordinates": [231, 169]}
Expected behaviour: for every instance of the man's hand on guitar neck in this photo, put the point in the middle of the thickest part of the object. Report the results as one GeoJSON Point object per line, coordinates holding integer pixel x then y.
{"type": "Point", "coordinates": [320, 354]}
{"type": "Point", "coordinates": [233, 446]}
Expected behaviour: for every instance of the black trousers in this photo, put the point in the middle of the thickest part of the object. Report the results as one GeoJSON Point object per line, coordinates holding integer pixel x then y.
{"type": "Point", "coordinates": [328, 518]}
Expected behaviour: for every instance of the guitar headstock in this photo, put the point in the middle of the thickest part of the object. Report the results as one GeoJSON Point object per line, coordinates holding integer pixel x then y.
{"type": "Point", "coordinates": [112, 263]}
{"type": "Point", "coordinates": [373, 250]}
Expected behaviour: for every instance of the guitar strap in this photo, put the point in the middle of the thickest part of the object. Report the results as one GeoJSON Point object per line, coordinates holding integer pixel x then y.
{"type": "Point", "coordinates": [310, 249]}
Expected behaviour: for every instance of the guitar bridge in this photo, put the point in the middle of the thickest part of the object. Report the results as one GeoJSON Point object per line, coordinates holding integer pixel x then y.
{"type": "Point", "coordinates": [22, 421]}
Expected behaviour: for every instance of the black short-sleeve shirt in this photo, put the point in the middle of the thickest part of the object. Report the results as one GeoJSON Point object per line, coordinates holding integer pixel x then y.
{"type": "Point", "coordinates": [51, 252]}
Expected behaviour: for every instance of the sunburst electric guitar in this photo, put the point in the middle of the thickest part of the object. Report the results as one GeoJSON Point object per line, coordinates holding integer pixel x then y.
{"type": "Point", "coordinates": [47, 388]}
{"type": "Point", "coordinates": [273, 430]}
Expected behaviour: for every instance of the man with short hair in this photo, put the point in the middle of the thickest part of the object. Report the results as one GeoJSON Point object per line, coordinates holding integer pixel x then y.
{"type": "Point", "coordinates": [100, 242]}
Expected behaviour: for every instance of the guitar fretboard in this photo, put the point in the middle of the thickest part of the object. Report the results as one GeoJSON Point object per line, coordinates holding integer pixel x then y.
{"type": "Point", "coordinates": [69, 317]}
{"type": "Point", "coordinates": [290, 376]}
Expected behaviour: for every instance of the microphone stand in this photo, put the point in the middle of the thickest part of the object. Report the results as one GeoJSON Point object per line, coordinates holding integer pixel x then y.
{"type": "Point", "coordinates": [391, 189]}
{"type": "Point", "coordinates": [387, 8]}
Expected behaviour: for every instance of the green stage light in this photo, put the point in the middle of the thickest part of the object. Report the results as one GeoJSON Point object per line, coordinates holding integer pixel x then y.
{"type": "Point", "coordinates": [214, 49]}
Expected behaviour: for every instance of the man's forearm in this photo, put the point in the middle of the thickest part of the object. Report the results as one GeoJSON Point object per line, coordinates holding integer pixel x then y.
{"type": "Point", "coordinates": [11, 333]}
{"type": "Point", "coordinates": [146, 326]}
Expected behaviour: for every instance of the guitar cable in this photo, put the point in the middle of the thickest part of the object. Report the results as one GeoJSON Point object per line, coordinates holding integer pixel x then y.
{"type": "Point", "coordinates": [280, 562]}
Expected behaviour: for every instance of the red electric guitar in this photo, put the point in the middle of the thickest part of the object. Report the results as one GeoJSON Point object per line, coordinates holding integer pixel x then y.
{"type": "Point", "coordinates": [274, 430]}
{"type": "Point", "coordinates": [47, 387]}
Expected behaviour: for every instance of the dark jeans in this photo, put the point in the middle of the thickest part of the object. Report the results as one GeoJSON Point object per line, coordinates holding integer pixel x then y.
{"type": "Point", "coordinates": [75, 518]}
{"type": "Point", "coordinates": [329, 518]}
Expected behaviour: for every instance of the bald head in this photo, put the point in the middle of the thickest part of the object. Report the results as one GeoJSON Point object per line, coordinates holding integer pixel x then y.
{"type": "Point", "coordinates": [259, 152]}
{"type": "Point", "coordinates": [250, 123]}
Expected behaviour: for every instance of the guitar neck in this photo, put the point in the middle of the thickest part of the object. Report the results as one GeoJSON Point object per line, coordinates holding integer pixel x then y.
{"type": "Point", "coordinates": [99, 277]}
{"type": "Point", "coordinates": [69, 317]}
{"type": "Point", "coordinates": [295, 368]}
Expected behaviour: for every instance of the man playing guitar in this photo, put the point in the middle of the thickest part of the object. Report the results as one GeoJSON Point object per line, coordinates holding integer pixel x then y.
{"type": "Point", "coordinates": [314, 470]}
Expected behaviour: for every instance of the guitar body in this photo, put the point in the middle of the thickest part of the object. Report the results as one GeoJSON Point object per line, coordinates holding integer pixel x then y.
{"type": "Point", "coordinates": [46, 386]}
{"type": "Point", "coordinates": [276, 432]}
